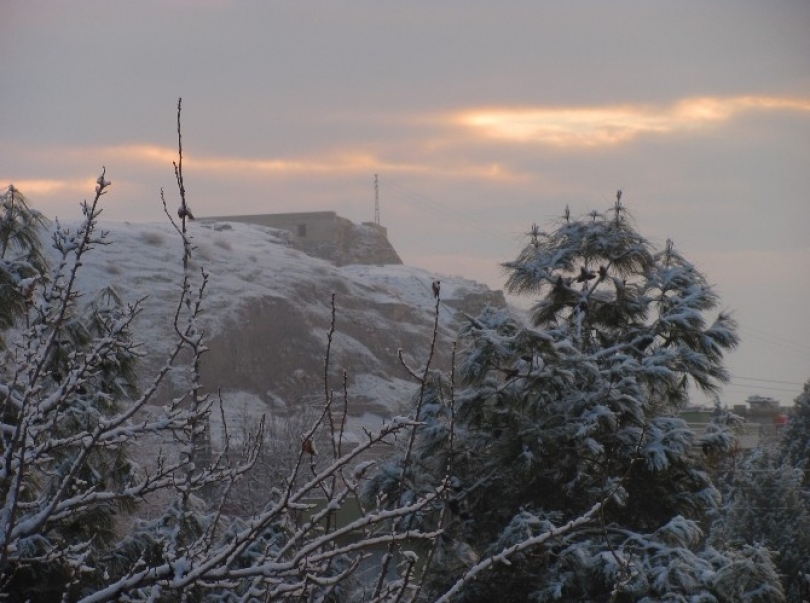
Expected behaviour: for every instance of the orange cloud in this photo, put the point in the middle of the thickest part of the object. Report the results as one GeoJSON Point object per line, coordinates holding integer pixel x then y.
{"type": "Point", "coordinates": [598, 126]}
{"type": "Point", "coordinates": [35, 188]}
{"type": "Point", "coordinates": [141, 153]}
{"type": "Point", "coordinates": [338, 163]}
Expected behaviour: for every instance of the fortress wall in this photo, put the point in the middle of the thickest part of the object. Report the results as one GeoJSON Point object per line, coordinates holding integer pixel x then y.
{"type": "Point", "coordinates": [304, 227]}
{"type": "Point", "coordinates": [329, 236]}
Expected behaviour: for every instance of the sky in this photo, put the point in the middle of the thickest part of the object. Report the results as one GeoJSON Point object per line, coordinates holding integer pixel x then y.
{"type": "Point", "coordinates": [479, 119]}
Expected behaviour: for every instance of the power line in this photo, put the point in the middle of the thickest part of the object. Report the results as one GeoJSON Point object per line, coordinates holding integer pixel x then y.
{"type": "Point", "coordinates": [760, 388]}
{"type": "Point", "coordinates": [423, 201]}
{"type": "Point", "coordinates": [779, 342]}
{"type": "Point", "coordinates": [757, 384]}
{"type": "Point", "coordinates": [766, 380]}
{"type": "Point", "coordinates": [777, 337]}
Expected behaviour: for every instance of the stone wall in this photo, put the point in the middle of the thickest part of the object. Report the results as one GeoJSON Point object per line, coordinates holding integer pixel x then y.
{"type": "Point", "coordinates": [328, 236]}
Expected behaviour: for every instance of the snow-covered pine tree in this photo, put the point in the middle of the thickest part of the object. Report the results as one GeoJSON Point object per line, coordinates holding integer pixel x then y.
{"type": "Point", "coordinates": [67, 367]}
{"type": "Point", "coordinates": [571, 475]}
{"type": "Point", "coordinates": [767, 497]}
{"type": "Point", "coordinates": [21, 260]}
{"type": "Point", "coordinates": [768, 506]}
{"type": "Point", "coordinates": [796, 434]}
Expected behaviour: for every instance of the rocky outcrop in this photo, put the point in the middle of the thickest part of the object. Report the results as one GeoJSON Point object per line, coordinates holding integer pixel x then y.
{"type": "Point", "coordinates": [267, 311]}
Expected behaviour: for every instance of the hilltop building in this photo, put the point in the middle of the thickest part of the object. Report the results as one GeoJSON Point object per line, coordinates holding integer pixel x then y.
{"type": "Point", "coordinates": [326, 235]}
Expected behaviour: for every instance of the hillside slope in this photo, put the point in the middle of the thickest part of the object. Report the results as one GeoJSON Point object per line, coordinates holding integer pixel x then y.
{"type": "Point", "coordinates": [267, 313]}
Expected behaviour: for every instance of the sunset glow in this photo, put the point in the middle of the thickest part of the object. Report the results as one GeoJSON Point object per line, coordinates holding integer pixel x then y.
{"type": "Point", "coordinates": [474, 123]}
{"type": "Point", "coordinates": [349, 161]}
{"type": "Point", "coordinates": [596, 126]}
{"type": "Point", "coordinates": [33, 188]}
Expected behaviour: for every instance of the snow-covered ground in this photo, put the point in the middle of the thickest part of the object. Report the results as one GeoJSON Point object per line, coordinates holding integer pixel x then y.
{"type": "Point", "coordinates": [270, 300]}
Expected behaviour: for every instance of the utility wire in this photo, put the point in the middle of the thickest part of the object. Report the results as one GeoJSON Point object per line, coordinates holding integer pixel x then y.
{"type": "Point", "coordinates": [423, 201]}
{"type": "Point", "coordinates": [733, 377]}
{"type": "Point", "coordinates": [770, 335]}
{"type": "Point", "coordinates": [775, 341]}
{"type": "Point", "coordinates": [759, 388]}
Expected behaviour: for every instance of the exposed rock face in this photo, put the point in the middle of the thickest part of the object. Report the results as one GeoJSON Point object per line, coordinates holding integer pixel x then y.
{"type": "Point", "coordinates": [276, 350]}
{"type": "Point", "coordinates": [365, 243]}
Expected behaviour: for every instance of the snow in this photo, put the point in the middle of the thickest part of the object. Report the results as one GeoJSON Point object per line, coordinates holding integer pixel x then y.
{"type": "Point", "coordinates": [243, 261]}
{"type": "Point", "coordinates": [247, 262]}
{"type": "Point", "coordinates": [408, 284]}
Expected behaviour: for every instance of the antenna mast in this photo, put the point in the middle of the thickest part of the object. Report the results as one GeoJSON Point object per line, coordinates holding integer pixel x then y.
{"type": "Point", "coordinates": [376, 201]}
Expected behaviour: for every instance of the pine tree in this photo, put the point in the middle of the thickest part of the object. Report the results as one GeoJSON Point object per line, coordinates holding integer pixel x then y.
{"type": "Point", "coordinates": [22, 263]}
{"type": "Point", "coordinates": [68, 369]}
{"type": "Point", "coordinates": [572, 477]}
{"type": "Point", "coordinates": [796, 435]}
{"type": "Point", "coordinates": [767, 498]}
{"type": "Point", "coordinates": [767, 505]}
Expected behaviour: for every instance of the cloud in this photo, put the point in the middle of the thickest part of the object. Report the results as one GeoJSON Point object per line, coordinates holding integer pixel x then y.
{"type": "Point", "coordinates": [330, 164]}
{"type": "Point", "coordinates": [336, 163]}
{"type": "Point", "coordinates": [610, 125]}
{"type": "Point", "coordinates": [44, 187]}
{"type": "Point", "coordinates": [450, 147]}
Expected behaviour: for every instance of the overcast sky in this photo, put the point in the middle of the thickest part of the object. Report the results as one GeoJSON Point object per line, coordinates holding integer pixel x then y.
{"type": "Point", "coordinates": [479, 117]}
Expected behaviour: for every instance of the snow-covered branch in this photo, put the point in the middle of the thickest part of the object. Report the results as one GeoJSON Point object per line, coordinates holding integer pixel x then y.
{"type": "Point", "coordinates": [73, 422]}
{"type": "Point", "coordinates": [503, 556]}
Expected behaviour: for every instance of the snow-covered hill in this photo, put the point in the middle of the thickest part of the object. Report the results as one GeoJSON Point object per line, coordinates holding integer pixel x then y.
{"type": "Point", "coordinates": [267, 313]}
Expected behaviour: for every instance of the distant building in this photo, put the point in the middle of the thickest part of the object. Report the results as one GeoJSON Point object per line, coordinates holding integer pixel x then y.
{"type": "Point", "coordinates": [764, 420]}
{"type": "Point", "coordinates": [326, 235]}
